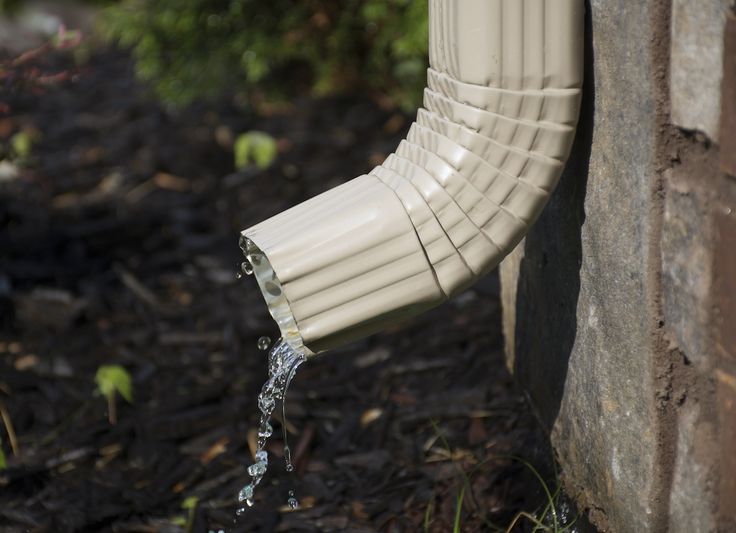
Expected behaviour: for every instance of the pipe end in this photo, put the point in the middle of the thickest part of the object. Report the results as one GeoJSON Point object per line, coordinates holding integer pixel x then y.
{"type": "Point", "coordinates": [273, 294]}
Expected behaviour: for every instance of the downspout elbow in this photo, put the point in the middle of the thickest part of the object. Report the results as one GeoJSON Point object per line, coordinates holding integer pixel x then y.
{"type": "Point", "coordinates": [457, 195]}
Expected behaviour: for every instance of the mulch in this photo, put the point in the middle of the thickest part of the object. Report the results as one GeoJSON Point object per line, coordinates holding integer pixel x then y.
{"type": "Point", "coordinates": [118, 245]}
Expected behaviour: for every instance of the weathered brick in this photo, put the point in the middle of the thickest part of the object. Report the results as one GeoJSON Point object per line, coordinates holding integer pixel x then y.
{"type": "Point", "coordinates": [726, 383]}
{"type": "Point", "coordinates": [728, 99]}
{"type": "Point", "coordinates": [697, 64]}
{"type": "Point", "coordinates": [687, 263]}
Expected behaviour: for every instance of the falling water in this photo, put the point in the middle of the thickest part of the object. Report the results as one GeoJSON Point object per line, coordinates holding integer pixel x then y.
{"type": "Point", "coordinates": [245, 268]}
{"type": "Point", "coordinates": [284, 358]}
{"type": "Point", "coordinates": [283, 362]}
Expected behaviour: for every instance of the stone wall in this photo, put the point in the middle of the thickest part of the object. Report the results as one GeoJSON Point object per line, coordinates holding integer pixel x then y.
{"type": "Point", "coordinates": [619, 306]}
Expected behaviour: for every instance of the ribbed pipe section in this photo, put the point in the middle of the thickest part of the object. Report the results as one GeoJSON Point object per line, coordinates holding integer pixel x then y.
{"type": "Point", "coordinates": [458, 194]}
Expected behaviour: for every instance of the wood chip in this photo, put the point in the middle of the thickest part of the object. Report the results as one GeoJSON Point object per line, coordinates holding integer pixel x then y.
{"type": "Point", "coordinates": [25, 362]}
{"type": "Point", "coordinates": [370, 416]}
{"type": "Point", "coordinates": [171, 182]}
{"type": "Point", "coordinates": [218, 448]}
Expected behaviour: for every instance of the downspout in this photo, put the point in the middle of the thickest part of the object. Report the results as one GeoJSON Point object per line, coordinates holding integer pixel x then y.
{"type": "Point", "coordinates": [458, 194]}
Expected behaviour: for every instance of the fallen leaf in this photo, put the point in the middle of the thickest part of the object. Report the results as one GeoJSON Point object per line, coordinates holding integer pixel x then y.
{"type": "Point", "coordinates": [218, 448]}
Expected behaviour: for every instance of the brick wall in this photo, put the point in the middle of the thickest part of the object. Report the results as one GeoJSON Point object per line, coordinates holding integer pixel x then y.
{"type": "Point", "coordinates": [620, 306]}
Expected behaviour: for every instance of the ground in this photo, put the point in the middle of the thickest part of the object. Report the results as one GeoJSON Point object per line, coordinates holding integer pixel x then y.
{"type": "Point", "coordinates": [119, 246]}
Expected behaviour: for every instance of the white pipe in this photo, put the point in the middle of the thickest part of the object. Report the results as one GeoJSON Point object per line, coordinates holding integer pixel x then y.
{"type": "Point", "coordinates": [459, 193]}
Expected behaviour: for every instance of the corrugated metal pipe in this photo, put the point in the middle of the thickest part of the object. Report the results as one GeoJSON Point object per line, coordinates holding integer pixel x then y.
{"type": "Point", "coordinates": [458, 194]}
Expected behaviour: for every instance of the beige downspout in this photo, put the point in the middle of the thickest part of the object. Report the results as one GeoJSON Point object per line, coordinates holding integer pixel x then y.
{"type": "Point", "coordinates": [458, 194]}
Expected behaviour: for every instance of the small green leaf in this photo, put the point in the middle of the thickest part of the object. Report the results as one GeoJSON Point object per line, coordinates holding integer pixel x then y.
{"type": "Point", "coordinates": [257, 147]}
{"type": "Point", "coordinates": [180, 521]}
{"type": "Point", "coordinates": [114, 378]}
{"type": "Point", "coordinates": [21, 143]}
{"type": "Point", "coordinates": [190, 502]}
{"type": "Point", "coordinates": [3, 462]}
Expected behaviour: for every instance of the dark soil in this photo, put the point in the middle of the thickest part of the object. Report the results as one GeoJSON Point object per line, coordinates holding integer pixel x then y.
{"type": "Point", "coordinates": [118, 245]}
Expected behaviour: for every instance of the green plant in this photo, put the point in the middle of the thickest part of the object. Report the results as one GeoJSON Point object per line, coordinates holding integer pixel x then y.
{"type": "Point", "coordinates": [256, 147]}
{"type": "Point", "coordinates": [540, 519]}
{"type": "Point", "coordinates": [112, 380]}
{"type": "Point", "coordinates": [196, 48]}
{"type": "Point", "coordinates": [21, 144]}
{"type": "Point", "coordinates": [3, 461]}
{"type": "Point", "coordinates": [190, 506]}
{"type": "Point", "coordinates": [458, 510]}
{"type": "Point", "coordinates": [428, 512]}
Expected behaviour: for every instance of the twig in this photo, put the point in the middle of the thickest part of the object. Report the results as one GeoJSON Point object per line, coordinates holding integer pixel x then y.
{"type": "Point", "coordinates": [136, 287]}
{"type": "Point", "coordinates": [9, 428]}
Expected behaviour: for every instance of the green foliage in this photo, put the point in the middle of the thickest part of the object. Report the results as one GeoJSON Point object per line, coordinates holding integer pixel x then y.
{"type": "Point", "coordinates": [21, 143]}
{"type": "Point", "coordinates": [113, 379]}
{"type": "Point", "coordinates": [8, 6]}
{"type": "Point", "coordinates": [458, 510]}
{"type": "Point", "coordinates": [187, 522]}
{"type": "Point", "coordinates": [3, 461]}
{"type": "Point", "coordinates": [544, 521]}
{"type": "Point", "coordinates": [190, 503]}
{"type": "Point", "coordinates": [11, 6]}
{"type": "Point", "coordinates": [194, 48]}
{"type": "Point", "coordinates": [257, 147]}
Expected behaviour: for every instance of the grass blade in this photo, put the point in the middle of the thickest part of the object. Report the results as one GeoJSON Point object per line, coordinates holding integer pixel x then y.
{"type": "Point", "coordinates": [458, 510]}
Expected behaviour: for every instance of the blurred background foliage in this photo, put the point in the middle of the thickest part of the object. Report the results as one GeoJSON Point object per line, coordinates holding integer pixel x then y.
{"type": "Point", "coordinates": [274, 50]}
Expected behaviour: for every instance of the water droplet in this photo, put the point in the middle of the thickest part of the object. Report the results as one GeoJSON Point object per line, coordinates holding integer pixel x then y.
{"type": "Point", "coordinates": [262, 456]}
{"type": "Point", "coordinates": [265, 430]}
{"type": "Point", "coordinates": [240, 511]}
{"type": "Point", "coordinates": [246, 267]}
{"type": "Point", "coordinates": [287, 458]}
{"type": "Point", "coordinates": [292, 501]}
{"type": "Point", "coordinates": [264, 343]}
{"type": "Point", "coordinates": [257, 469]}
{"type": "Point", "coordinates": [249, 502]}
{"type": "Point", "coordinates": [238, 275]}
{"type": "Point", "coordinates": [246, 493]}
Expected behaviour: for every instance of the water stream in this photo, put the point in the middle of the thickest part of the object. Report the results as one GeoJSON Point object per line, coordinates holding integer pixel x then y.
{"type": "Point", "coordinates": [284, 359]}
{"type": "Point", "coordinates": [283, 362]}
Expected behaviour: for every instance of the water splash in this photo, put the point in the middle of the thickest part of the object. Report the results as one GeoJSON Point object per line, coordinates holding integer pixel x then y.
{"type": "Point", "coordinates": [283, 362]}
{"type": "Point", "coordinates": [244, 269]}
{"type": "Point", "coordinates": [264, 343]}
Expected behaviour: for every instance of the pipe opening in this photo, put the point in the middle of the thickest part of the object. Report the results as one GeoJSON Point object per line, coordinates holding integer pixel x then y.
{"type": "Point", "coordinates": [273, 294]}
